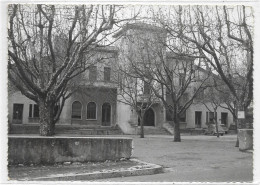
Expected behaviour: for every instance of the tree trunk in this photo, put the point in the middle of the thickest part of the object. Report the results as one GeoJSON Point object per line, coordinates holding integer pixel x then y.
{"type": "Point", "coordinates": [142, 124]}
{"type": "Point", "coordinates": [142, 128]}
{"type": "Point", "coordinates": [47, 125]}
{"type": "Point", "coordinates": [177, 133]}
{"type": "Point", "coordinates": [237, 141]}
{"type": "Point", "coordinates": [216, 122]}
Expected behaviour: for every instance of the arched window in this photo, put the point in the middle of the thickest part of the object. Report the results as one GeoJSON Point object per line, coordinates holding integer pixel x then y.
{"type": "Point", "coordinates": [91, 110]}
{"type": "Point", "coordinates": [106, 114]}
{"type": "Point", "coordinates": [76, 110]}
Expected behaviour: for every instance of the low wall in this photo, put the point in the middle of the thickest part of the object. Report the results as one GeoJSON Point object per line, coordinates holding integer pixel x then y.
{"type": "Point", "coordinates": [245, 137]}
{"type": "Point", "coordinates": [50, 150]}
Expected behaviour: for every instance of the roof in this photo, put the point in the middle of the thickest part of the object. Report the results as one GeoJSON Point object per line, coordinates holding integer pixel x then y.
{"type": "Point", "coordinates": [139, 26]}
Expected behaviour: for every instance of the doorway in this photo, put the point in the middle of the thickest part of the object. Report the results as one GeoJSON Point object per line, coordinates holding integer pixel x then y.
{"type": "Point", "coordinates": [198, 119]}
{"type": "Point", "coordinates": [149, 118]}
{"type": "Point", "coordinates": [106, 114]}
{"type": "Point", "coordinates": [17, 113]}
{"type": "Point", "coordinates": [224, 116]}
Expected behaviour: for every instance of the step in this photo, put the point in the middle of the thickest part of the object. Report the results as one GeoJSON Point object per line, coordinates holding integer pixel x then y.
{"type": "Point", "coordinates": [66, 129]}
{"type": "Point", "coordinates": [153, 131]}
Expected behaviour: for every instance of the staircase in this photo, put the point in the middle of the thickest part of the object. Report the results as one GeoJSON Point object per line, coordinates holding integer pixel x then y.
{"type": "Point", "coordinates": [150, 130]}
{"type": "Point", "coordinates": [169, 128]}
{"type": "Point", "coordinates": [67, 130]}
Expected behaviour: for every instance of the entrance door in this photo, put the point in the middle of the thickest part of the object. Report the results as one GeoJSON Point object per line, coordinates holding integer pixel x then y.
{"type": "Point", "coordinates": [149, 118]}
{"type": "Point", "coordinates": [198, 119]}
{"type": "Point", "coordinates": [224, 116]}
{"type": "Point", "coordinates": [18, 113]}
{"type": "Point", "coordinates": [106, 114]}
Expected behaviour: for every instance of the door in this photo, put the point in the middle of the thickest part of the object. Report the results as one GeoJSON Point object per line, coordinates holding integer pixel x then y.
{"type": "Point", "coordinates": [18, 113]}
{"type": "Point", "coordinates": [149, 118]}
{"type": "Point", "coordinates": [106, 114]}
{"type": "Point", "coordinates": [224, 116]}
{"type": "Point", "coordinates": [198, 119]}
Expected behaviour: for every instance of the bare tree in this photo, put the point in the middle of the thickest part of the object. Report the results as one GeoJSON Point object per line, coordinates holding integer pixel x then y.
{"type": "Point", "coordinates": [170, 77]}
{"type": "Point", "coordinates": [223, 37]}
{"type": "Point", "coordinates": [51, 44]}
{"type": "Point", "coordinates": [176, 78]}
{"type": "Point", "coordinates": [215, 97]}
{"type": "Point", "coordinates": [134, 90]}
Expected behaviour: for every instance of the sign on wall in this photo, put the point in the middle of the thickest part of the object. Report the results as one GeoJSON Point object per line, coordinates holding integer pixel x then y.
{"type": "Point", "coordinates": [241, 114]}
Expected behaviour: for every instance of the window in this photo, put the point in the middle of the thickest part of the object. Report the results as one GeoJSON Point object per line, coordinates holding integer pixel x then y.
{"type": "Point", "coordinates": [182, 116]}
{"type": "Point", "coordinates": [106, 114]}
{"type": "Point", "coordinates": [107, 72]}
{"type": "Point", "coordinates": [76, 110]}
{"type": "Point", "coordinates": [181, 79]}
{"type": "Point", "coordinates": [210, 116]}
{"type": "Point", "coordinates": [169, 113]}
{"type": "Point", "coordinates": [91, 110]}
{"type": "Point", "coordinates": [147, 88]}
{"type": "Point", "coordinates": [93, 73]}
{"type": "Point", "coordinates": [33, 111]}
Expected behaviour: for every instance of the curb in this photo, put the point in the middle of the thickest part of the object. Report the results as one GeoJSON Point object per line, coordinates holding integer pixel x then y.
{"type": "Point", "coordinates": [142, 169]}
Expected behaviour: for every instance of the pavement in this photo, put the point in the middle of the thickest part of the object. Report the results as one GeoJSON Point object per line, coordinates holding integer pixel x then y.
{"type": "Point", "coordinates": [197, 158]}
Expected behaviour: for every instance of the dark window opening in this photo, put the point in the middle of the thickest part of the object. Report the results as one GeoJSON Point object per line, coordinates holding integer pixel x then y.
{"type": "Point", "coordinates": [91, 110]}
{"type": "Point", "coordinates": [76, 110]}
{"type": "Point", "coordinates": [106, 114]}
{"type": "Point", "coordinates": [147, 88]}
{"type": "Point", "coordinates": [169, 116]}
{"type": "Point", "coordinates": [181, 79]}
{"type": "Point", "coordinates": [182, 116]}
{"type": "Point", "coordinates": [17, 113]}
{"type": "Point", "coordinates": [107, 73]}
{"type": "Point", "coordinates": [210, 116]}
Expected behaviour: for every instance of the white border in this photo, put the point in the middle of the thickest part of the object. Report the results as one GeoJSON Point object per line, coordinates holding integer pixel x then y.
{"type": "Point", "coordinates": [3, 77]}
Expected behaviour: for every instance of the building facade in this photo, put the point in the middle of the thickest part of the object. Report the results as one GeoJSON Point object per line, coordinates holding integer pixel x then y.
{"type": "Point", "coordinates": [95, 102]}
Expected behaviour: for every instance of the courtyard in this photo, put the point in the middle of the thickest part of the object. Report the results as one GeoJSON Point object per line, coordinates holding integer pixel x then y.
{"type": "Point", "coordinates": [197, 158]}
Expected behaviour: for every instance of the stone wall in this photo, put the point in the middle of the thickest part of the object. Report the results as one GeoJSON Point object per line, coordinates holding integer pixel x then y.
{"type": "Point", "coordinates": [50, 150]}
{"type": "Point", "coordinates": [245, 137]}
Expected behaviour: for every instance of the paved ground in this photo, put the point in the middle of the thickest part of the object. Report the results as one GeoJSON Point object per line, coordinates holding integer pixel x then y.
{"type": "Point", "coordinates": [196, 158]}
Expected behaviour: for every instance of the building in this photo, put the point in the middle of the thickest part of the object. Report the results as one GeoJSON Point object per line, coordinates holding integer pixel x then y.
{"type": "Point", "coordinates": [95, 103]}
{"type": "Point", "coordinates": [134, 41]}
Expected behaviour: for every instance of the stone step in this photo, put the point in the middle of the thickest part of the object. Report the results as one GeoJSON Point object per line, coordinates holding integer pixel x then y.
{"type": "Point", "coordinates": [66, 129]}
{"type": "Point", "coordinates": [153, 131]}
